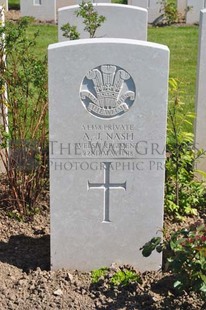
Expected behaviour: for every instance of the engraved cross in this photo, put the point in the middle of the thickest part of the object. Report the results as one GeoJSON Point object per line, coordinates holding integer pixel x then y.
{"type": "Point", "coordinates": [106, 186]}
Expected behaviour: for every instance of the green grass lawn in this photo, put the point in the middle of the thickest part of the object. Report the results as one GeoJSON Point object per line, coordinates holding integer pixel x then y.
{"type": "Point", "coordinates": [14, 4]}
{"type": "Point", "coordinates": [183, 45]}
{"type": "Point", "coordinates": [48, 34]}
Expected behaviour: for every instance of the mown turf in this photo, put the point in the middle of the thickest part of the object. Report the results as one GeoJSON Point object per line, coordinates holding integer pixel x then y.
{"type": "Point", "coordinates": [14, 4]}
{"type": "Point", "coordinates": [183, 44]}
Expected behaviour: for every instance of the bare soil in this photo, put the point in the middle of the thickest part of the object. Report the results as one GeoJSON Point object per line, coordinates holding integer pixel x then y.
{"type": "Point", "coordinates": [28, 283]}
{"type": "Point", "coordinates": [12, 15]}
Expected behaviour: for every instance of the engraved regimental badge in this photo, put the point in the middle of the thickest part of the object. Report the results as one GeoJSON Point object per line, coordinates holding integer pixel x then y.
{"type": "Point", "coordinates": [107, 91]}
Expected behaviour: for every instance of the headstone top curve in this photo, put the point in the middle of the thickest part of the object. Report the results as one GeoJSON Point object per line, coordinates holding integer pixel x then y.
{"type": "Point", "coordinates": [126, 7]}
{"type": "Point", "coordinates": [108, 40]}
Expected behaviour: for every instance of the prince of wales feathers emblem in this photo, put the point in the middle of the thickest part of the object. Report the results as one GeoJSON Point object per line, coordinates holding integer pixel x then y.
{"type": "Point", "coordinates": [107, 91]}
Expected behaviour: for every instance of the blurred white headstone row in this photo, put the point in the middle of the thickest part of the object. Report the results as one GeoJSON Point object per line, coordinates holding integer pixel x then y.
{"type": "Point", "coordinates": [47, 10]}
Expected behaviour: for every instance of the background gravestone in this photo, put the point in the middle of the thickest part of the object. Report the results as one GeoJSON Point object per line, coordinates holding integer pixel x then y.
{"type": "Point", "coordinates": [122, 21]}
{"type": "Point", "coordinates": [193, 14]}
{"type": "Point", "coordinates": [200, 125]}
{"type": "Point", "coordinates": [182, 7]}
{"type": "Point", "coordinates": [140, 3]}
{"type": "Point", "coordinates": [108, 107]}
{"type": "Point", "coordinates": [4, 3]}
{"type": "Point", "coordinates": [153, 7]}
{"type": "Point", "coordinates": [45, 10]}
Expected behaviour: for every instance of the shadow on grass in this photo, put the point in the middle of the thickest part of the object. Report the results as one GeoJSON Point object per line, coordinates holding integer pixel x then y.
{"type": "Point", "coordinates": [26, 253]}
{"type": "Point", "coordinates": [14, 7]}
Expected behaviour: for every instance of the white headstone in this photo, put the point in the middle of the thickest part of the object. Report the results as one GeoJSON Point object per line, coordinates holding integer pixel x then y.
{"type": "Point", "coordinates": [154, 10]}
{"type": "Point", "coordinates": [4, 3]}
{"type": "Point", "coordinates": [45, 10]}
{"type": "Point", "coordinates": [182, 7]}
{"type": "Point", "coordinates": [108, 107]}
{"type": "Point", "coordinates": [39, 9]}
{"type": "Point", "coordinates": [153, 6]}
{"type": "Point", "coordinates": [193, 14]}
{"type": "Point", "coordinates": [122, 21]}
{"type": "Point", "coordinates": [140, 3]}
{"type": "Point", "coordinates": [200, 125]}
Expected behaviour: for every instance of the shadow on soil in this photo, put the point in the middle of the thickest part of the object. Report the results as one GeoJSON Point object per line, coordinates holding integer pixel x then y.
{"type": "Point", "coordinates": [127, 299]}
{"type": "Point", "coordinates": [160, 295]}
{"type": "Point", "coordinates": [26, 253]}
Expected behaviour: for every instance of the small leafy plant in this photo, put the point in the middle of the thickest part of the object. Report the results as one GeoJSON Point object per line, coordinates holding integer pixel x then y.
{"type": "Point", "coordinates": [97, 274]}
{"type": "Point", "coordinates": [149, 247]}
{"type": "Point", "coordinates": [184, 193]}
{"type": "Point", "coordinates": [70, 32]}
{"type": "Point", "coordinates": [187, 259]}
{"type": "Point", "coordinates": [121, 276]}
{"type": "Point", "coordinates": [125, 277]}
{"type": "Point", "coordinates": [91, 19]}
{"type": "Point", "coordinates": [170, 15]}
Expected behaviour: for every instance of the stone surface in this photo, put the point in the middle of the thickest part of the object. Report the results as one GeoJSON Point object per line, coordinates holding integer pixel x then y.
{"type": "Point", "coordinates": [45, 10]}
{"type": "Point", "coordinates": [200, 124]}
{"type": "Point", "coordinates": [4, 3]}
{"type": "Point", "coordinates": [193, 14]}
{"type": "Point", "coordinates": [94, 1]}
{"type": "Point", "coordinates": [182, 7]}
{"type": "Point", "coordinates": [154, 10]}
{"type": "Point", "coordinates": [140, 3]}
{"type": "Point", "coordinates": [62, 3]}
{"type": "Point", "coordinates": [122, 21]}
{"type": "Point", "coordinates": [106, 151]}
{"type": "Point", "coordinates": [153, 7]}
